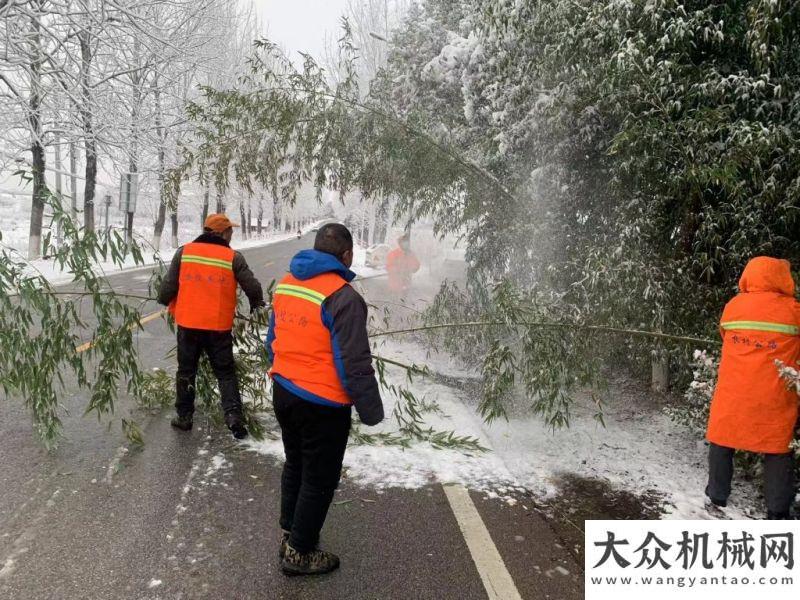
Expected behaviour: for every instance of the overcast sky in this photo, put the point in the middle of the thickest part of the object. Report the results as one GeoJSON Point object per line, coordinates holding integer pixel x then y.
{"type": "Point", "coordinates": [301, 24]}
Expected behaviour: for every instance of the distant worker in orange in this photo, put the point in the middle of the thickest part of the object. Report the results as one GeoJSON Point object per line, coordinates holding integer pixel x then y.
{"type": "Point", "coordinates": [200, 290]}
{"type": "Point", "coordinates": [401, 264]}
{"type": "Point", "coordinates": [752, 408]}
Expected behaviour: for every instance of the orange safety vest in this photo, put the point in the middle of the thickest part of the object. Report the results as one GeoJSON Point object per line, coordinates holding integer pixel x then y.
{"type": "Point", "coordinates": [207, 289]}
{"type": "Point", "coordinates": [303, 347]}
{"type": "Point", "coordinates": [401, 266]}
{"type": "Point", "coordinates": [752, 408]}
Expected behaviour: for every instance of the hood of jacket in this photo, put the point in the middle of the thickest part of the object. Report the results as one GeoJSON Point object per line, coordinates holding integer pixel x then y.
{"type": "Point", "coordinates": [766, 274]}
{"type": "Point", "coordinates": [310, 263]}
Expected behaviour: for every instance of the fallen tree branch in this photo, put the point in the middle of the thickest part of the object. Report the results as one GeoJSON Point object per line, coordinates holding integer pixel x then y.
{"type": "Point", "coordinates": [543, 324]}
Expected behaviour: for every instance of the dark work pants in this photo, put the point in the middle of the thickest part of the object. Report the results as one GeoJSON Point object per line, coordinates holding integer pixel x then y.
{"type": "Point", "coordinates": [314, 440]}
{"type": "Point", "coordinates": [778, 478]}
{"type": "Point", "coordinates": [218, 346]}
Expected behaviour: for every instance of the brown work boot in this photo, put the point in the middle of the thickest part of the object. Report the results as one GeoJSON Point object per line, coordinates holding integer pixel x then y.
{"type": "Point", "coordinates": [316, 562]}
{"type": "Point", "coordinates": [284, 544]}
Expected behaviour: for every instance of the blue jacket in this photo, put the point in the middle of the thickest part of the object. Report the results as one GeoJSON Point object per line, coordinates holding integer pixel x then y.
{"type": "Point", "coordinates": [344, 313]}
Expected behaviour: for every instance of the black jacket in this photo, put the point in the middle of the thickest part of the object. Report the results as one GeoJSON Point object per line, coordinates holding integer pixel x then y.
{"type": "Point", "coordinates": [244, 276]}
{"type": "Point", "coordinates": [349, 314]}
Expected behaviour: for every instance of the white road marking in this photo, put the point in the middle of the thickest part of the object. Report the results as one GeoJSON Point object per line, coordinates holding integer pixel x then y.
{"type": "Point", "coordinates": [113, 466]}
{"type": "Point", "coordinates": [495, 577]}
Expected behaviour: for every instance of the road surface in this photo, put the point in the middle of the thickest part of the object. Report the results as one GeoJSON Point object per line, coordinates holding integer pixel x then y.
{"type": "Point", "coordinates": [196, 515]}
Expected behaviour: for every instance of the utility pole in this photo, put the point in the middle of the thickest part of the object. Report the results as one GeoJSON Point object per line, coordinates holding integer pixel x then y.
{"type": "Point", "coordinates": [128, 192]}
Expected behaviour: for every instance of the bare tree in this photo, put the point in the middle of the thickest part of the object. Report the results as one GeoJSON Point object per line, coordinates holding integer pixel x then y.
{"type": "Point", "coordinates": [35, 119]}
{"type": "Point", "coordinates": [110, 82]}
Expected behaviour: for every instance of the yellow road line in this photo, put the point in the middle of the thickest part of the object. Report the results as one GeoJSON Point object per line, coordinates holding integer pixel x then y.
{"type": "Point", "coordinates": [270, 263]}
{"type": "Point", "coordinates": [143, 321]}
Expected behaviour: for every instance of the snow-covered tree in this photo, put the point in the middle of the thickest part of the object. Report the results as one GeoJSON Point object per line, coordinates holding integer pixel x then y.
{"type": "Point", "coordinates": [611, 164]}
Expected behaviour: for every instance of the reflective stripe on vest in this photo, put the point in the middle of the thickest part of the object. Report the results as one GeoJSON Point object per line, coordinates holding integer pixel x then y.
{"type": "Point", "coordinates": [298, 291]}
{"type": "Point", "coordinates": [207, 288]}
{"type": "Point", "coordinates": [303, 347]}
{"type": "Point", "coordinates": [203, 260]}
{"type": "Point", "coordinates": [761, 326]}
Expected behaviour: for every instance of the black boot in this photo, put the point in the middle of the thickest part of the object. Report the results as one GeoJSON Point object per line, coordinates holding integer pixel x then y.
{"type": "Point", "coordinates": [774, 516]}
{"type": "Point", "coordinates": [184, 423]}
{"type": "Point", "coordinates": [716, 501]}
{"type": "Point", "coordinates": [316, 562]}
{"type": "Point", "coordinates": [235, 422]}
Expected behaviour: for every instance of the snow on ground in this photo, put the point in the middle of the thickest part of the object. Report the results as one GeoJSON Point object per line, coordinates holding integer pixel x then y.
{"type": "Point", "coordinates": [639, 450]}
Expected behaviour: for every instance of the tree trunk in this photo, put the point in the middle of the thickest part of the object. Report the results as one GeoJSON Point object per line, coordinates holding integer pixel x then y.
{"type": "Point", "coordinates": [161, 219]}
{"type": "Point", "coordinates": [133, 164]}
{"type": "Point", "coordinates": [372, 219]}
{"type": "Point", "coordinates": [243, 217]}
{"type": "Point", "coordinates": [174, 218]}
{"type": "Point", "coordinates": [276, 210]}
{"type": "Point", "coordinates": [220, 202]}
{"type": "Point", "coordinates": [259, 217]}
{"type": "Point", "coordinates": [39, 186]}
{"type": "Point", "coordinates": [362, 226]}
{"type": "Point", "coordinates": [204, 216]}
{"type": "Point", "coordinates": [37, 148]}
{"type": "Point", "coordinates": [660, 370]}
{"type": "Point", "coordinates": [90, 144]}
{"type": "Point", "coordinates": [380, 219]}
{"type": "Point", "coordinates": [389, 220]}
{"type": "Point", "coordinates": [158, 227]}
{"type": "Point", "coordinates": [133, 169]}
{"type": "Point", "coordinates": [73, 181]}
{"type": "Point", "coordinates": [59, 187]}
{"type": "Point", "coordinates": [249, 219]}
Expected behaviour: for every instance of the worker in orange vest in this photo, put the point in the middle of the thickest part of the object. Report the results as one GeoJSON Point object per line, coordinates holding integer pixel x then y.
{"type": "Point", "coordinates": [752, 408]}
{"type": "Point", "coordinates": [401, 264]}
{"type": "Point", "coordinates": [200, 290]}
{"type": "Point", "coordinates": [321, 367]}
